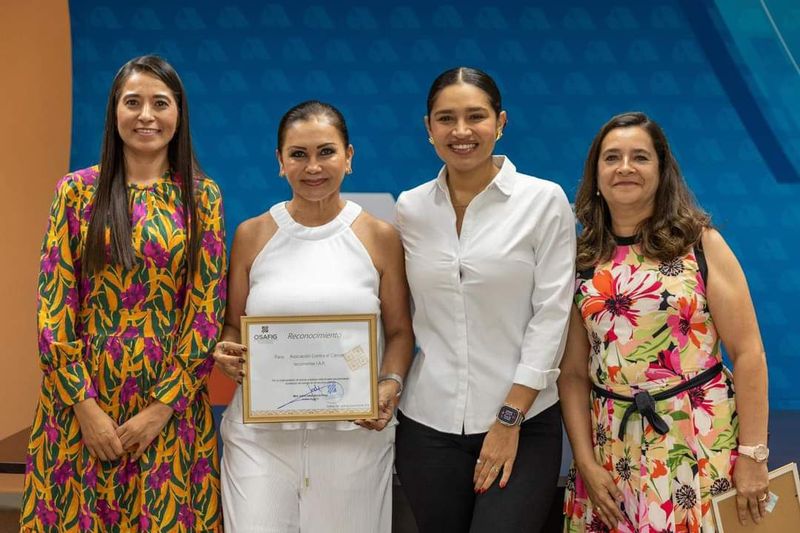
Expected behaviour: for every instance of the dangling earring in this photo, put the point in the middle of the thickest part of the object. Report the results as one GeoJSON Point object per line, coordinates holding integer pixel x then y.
{"type": "Point", "coordinates": [499, 135]}
{"type": "Point", "coordinates": [430, 139]}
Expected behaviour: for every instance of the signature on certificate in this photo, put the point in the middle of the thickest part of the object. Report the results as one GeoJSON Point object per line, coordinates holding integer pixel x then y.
{"type": "Point", "coordinates": [331, 391]}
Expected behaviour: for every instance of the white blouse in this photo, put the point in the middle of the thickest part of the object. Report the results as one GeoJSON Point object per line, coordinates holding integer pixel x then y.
{"type": "Point", "coordinates": [491, 307]}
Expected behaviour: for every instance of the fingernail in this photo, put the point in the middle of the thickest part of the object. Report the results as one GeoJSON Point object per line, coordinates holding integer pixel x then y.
{"type": "Point", "coordinates": [241, 360]}
{"type": "Point", "coordinates": [244, 348]}
{"type": "Point", "coordinates": [502, 485]}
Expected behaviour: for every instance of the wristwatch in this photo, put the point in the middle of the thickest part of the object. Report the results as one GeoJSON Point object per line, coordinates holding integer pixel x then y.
{"type": "Point", "coordinates": [759, 453]}
{"type": "Point", "coordinates": [510, 416]}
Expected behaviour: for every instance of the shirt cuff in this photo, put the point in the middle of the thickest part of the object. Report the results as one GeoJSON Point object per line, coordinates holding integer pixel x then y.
{"type": "Point", "coordinates": [174, 389]}
{"type": "Point", "coordinates": [71, 384]}
{"type": "Point", "coordinates": [535, 378]}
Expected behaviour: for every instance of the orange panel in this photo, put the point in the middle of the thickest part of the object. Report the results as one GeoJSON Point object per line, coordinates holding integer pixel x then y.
{"type": "Point", "coordinates": [220, 388]}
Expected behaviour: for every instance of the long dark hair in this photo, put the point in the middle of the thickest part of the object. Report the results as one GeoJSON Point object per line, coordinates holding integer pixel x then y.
{"type": "Point", "coordinates": [470, 76]}
{"type": "Point", "coordinates": [677, 221]}
{"type": "Point", "coordinates": [110, 208]}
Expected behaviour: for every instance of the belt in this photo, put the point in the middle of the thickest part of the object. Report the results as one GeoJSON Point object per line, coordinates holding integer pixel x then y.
{"type": "Point", "coordinates": [645, 404]}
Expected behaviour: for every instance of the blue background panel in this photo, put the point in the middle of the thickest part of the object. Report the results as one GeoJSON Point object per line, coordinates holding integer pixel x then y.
{"type": "Point", "coordinates": [718, 76]}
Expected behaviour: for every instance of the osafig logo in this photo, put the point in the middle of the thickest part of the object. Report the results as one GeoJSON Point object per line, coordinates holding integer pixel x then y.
{"type": "Point", "coordinates": [264, 336]}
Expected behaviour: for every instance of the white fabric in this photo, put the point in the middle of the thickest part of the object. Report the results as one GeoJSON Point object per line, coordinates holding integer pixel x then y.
{"type": "Point", "coordinates": [311, 271]}
{"type": "Point", "coordinates": [491, 307]}
{"type": "Point", "coordinates": [318, 480]}
{"type": "Point", "coordinates": [322, 477]}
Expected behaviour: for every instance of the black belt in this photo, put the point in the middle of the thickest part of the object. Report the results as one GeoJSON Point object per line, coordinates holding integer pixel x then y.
{"type": "Point", "coordinates": [645, 404]}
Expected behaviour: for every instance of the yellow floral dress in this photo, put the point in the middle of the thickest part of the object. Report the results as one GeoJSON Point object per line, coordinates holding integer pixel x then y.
{"type": "Point", "coordinates": [650, 329]}
{"type": "Point", "coordinates": [127, 338]}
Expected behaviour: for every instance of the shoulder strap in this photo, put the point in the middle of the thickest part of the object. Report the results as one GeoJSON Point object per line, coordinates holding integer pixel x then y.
{"type": "Point", "coordinates": [702, 264]}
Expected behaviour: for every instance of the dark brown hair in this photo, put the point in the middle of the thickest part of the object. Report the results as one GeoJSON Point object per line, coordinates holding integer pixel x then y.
{"type": "Point", "coordinates": [111, 200]}
{"type": "Point", "coordinates": [470, 76]}
{"type": "Point", "coordinates": [312, 108]}
{"type": "Point", "coordinates": [677, 221]}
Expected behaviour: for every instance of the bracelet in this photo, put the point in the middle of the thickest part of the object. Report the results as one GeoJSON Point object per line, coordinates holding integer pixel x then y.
{"type": "Point", "coordinates": [393, 377]}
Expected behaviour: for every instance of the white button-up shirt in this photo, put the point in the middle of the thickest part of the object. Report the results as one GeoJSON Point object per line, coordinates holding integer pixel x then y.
{"type": "Point", "coordinates": [491, 307]}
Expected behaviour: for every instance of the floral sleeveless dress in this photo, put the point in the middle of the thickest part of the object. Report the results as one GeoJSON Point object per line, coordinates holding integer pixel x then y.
{"type": "Point", "coordinates": [127, 337]}
{"type": "Point", "coordinates": [650, 329]}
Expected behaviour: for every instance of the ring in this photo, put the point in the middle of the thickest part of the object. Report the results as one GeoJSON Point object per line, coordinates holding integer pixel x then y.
{"type": "Point", "coordinates": [495, 468]}
{"type": "Point", "coordinates": [478, 461]}
{"type": "Point", "coordinates": [763, 498]}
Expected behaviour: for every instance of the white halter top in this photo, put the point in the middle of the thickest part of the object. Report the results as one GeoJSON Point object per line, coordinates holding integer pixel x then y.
{"type": "Point", "coordinates": [311, 271]}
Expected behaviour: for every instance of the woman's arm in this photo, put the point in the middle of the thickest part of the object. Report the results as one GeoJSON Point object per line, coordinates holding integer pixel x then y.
{"type": "Point", "coordinates": [573, 390]}
{"type": "Point", "coordinates": [250, 237]}
{"type": "Point", "coordinates": [735, 319]}
{"type": "Point", "coordinates": [61, 352]}
{"type": "Point", "coordinates": [386, 249]}
{"type": "Point", "coordinates": [543, 341]}
{"type": "Point", "coordinates": [199, 330]}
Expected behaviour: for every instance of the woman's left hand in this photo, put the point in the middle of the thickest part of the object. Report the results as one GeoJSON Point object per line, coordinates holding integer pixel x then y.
{"type": "Point", "coordinates": [139, 431]}
{"type": "Point", "coordinates": [387, 402]}
{"type": "Point", "coordinates": [498, 453]}
{"type": "Point", "coordinates": [751, 480]}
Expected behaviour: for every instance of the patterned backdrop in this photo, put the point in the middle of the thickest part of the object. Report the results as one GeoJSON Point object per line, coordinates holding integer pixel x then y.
{"type": "Point", "coordinates": [720, 76]}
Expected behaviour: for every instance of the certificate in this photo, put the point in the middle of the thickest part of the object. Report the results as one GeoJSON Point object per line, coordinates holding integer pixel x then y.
{"type": "Point", "coordinates": [310, 368]}
{"type": "Point", "coordinates": [783, 505]}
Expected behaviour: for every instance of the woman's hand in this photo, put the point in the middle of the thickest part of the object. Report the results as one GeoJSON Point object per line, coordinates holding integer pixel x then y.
{"type": "Point", "coordinates": [139, 431]}
{"type": "Point", "coordinates": [604, 493]}
{"type": "Point", "coordinates": [499, 451]}
{"type": "Point", "coordinates": [751, 480]}
{"type": "Point", "coordinates": [388, 390]}
{"type": "Point", "coordinates": [98, 431]}
{"type": "Point", "coordinates": [230, 358]}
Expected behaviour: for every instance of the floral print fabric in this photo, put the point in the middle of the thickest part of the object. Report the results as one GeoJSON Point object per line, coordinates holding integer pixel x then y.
{"type": "Point", "coordinates": [127, 338]}
{"type": "Point", "coordinates": [650, 329]}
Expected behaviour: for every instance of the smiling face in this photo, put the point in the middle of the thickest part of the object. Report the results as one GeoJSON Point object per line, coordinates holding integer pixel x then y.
{"type": "Point", "coordinates": [147, 115]}
{"type": "Point", "coordinates": [464, 127]}
{"type": "Point", "coordinates": [314, 158]}
{"type": "Point", "coordinates": [628, 170]}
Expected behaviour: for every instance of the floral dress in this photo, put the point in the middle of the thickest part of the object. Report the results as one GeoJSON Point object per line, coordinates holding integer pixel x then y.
{"type": "Point", "coordinates": [127, 338]}
{"type": "Point", "coordinates": [650, 329]}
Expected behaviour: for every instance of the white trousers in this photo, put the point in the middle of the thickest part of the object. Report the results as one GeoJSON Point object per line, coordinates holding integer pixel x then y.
{"type": "Point", "coordinates": [306, 480]}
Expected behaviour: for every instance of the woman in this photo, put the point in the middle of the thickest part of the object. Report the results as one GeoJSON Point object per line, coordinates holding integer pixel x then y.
{"type": "Point", "coordinates": [315, 254]}
{"type": "Point", "coordinates": [490, 266]}
{"type": "Point", "coordinates": [131, 293]}
{"type": "Point", "coordinates": [661, 436]}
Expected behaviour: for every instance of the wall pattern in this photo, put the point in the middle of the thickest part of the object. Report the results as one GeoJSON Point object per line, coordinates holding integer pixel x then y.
{"type": "Point", "coordinates": [717, 75]}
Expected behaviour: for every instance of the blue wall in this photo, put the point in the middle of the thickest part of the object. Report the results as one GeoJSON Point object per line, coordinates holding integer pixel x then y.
{"type": "Point", "coordinates": [715, 74]}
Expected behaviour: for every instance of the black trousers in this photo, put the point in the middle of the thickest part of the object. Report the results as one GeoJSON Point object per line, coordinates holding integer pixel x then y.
{"type": "Point", "coordinates": [436, 470]}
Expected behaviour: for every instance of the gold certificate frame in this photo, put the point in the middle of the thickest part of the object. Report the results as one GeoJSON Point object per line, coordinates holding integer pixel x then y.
{"type": "Point", "coordinates": [310, 368]}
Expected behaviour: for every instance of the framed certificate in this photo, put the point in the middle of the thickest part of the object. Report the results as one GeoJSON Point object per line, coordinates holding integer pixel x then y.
{"type": "Point", "coordinates": [310, 368]}
{"type": "Point", "coordinates": [783, 505]}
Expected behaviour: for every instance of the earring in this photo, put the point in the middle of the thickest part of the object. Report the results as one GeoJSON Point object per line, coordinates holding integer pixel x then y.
{"type": "Point", "coordinates": [348, 171]}
{"type": "Point", "coordinates": [597, 192]}
{"type": "Point", "coordinates": [281, 173]}
{"type": "Point", "coordinates": [499, 135]}
{"type": "Point", "coordinates": [430, 139]}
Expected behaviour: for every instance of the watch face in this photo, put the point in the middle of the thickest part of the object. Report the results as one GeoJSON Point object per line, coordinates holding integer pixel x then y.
{"type": "Point", "coordinates": [508, 415]}
{"type": "Point", "coordinates": [761, 453]}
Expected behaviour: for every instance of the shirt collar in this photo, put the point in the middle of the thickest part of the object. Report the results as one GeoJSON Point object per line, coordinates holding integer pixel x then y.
{"type": "Point", "coordinates": [503, 180]}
